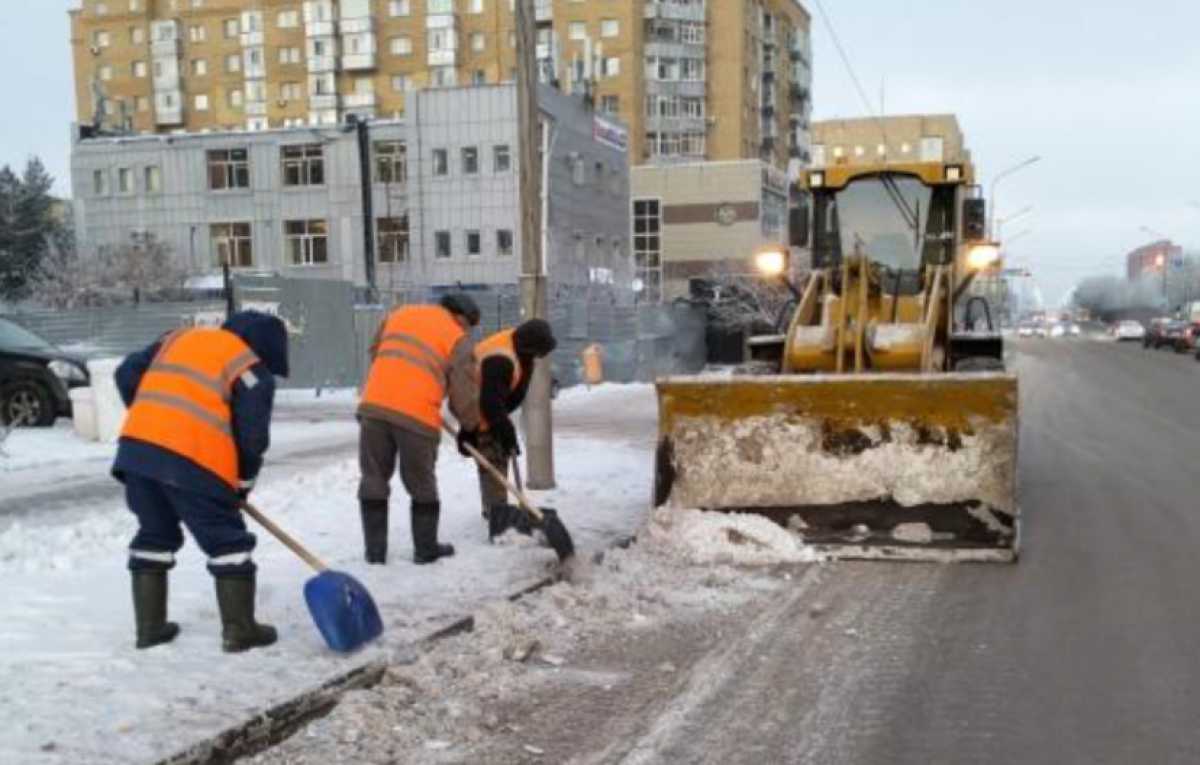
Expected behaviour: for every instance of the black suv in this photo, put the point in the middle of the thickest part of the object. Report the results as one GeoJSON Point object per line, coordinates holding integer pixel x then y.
{"type": "Point", "coordinates": [34, 378]}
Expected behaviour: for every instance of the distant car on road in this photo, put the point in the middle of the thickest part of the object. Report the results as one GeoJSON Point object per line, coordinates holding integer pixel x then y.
{"type": "Point", "coordinates": [1129, 330]}
{"type": "Point", "coordinates": [35, 376]}
{"type": "Point", "coordinates": [1155, 333]}
{"type": "Point", "coordinates": [1074, 330]}
{"type": "Point", "coordinates": [1058, 330]}
{"type": "Point", "coordinates": [1026, 330]}
{"type": "Point", "coordinates": [1174, 335]}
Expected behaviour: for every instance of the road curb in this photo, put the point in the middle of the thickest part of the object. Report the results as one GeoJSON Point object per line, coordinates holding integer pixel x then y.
{"type": "Point", "coordinates": [275, 725]}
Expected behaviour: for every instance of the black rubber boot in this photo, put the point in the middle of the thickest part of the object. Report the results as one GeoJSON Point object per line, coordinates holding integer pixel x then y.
{"type": "Point", "coordinates": [235, 597]}
{"type": "Point", "coordinates": [375, 529]}
{"type": "Point", "coordinates": [150, 609]}
{"type": "Point", "coordinates": [425, 531]}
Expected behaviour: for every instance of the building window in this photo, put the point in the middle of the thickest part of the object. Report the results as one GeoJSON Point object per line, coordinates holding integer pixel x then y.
{"type": "Point", "coordinates": [101, 38]}
{"type": "Point", "coordinates": [232, 243]}
{"type": "Point", "coordinates": [100, 183]}
{"type": "Point", "coordinates": [441, 162]}
{"type": "Point", "coordinates": [610, 28]}
{"type": "Point", "coordinates": [479, 78]}
{"type": "Point", "coordinates": [399, 7]}
{"type": "Point", "coordinates": [124, 180]}
{"type": "Point", "coordinates": [197, 33]}
{"type": "Point", "coordinates": [391, 239]}
{"type": "Point", "coordinates": [470, 160]}
{"type": "Point", "coordinates": [391, 162]}
{"type": "Point", "coordinates": [232, 28]}
{"type": "Point", "coordinates": [504, 242]}
{"type": "Point", "coordinates": [235, 98]}
{"type": "Point", "coordinates": [137, 35]}
{"type": "Point", "coordinates": [401, 83]}
{"type": "Point", "coordinates": [474, 243]}
{"type": "Point", "coordinates": [439, 6]}
{"type": "Point", "coordinates": [577, 30]}
{"type": "Point", "coordinates": [199, 67]}
{"type": "Point", "coordinates": [647, 247]}
{"type": "Point", "coordinates": [401, 46]}
{"type": "Point", "coordinates": [143, 103]}
{"type": "Point", "coordinates": [475, 6]}
{"type": "Point", "coordinates": [287, 19]}
{"type": "Point", "coordinates": [478, 41]}
{"type": "Point", "coordinates": [611, 66]}
{"type": "Point", "coordinates": [153, 178]}
{"type": "Point", "coordinates": [441, 243]}
{"type": "Point", "coordinates": [106, 72]}
{"type": "Point", "coordinates": [233, 63]}
{"type": "Point", "coordinates": [610, 104]}
{"type": "Point", "coordinates": [289, 55]}
{"type": "Point", "coordinates": [140, 69]}
{"type": "Point", "coordinates": [291, 91]}
{"type": "Point", "coordinates": [228, 169]}
{"type": "Point", "coordinates": [201, 102]}
{"type": "Point", "coordinates": [306, 242]}
{"type": "Point", "coordinates": [501, 158]}
{"type": "Point", "coordinates": [303, 165]}
{"type": "Point", "coordinates": [442, 76]}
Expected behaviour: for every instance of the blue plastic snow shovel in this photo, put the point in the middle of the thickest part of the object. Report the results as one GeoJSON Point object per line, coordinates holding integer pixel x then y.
{"type": "Point", "coordinates": [340, 605]}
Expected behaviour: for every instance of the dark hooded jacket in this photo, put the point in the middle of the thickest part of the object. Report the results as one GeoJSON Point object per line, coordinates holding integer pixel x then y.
{"type": "Point", "coordinates": [251, 405]}
{"type": "Point", "coordinates": [497, 399]}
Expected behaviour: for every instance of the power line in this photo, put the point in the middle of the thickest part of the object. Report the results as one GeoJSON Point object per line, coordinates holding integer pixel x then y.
{"type": "Point", "coordinates": [862, 93]}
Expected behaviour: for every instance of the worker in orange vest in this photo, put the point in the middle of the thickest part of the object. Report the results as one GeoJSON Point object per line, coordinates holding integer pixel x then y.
{"type": "Point", "coordinates": [505, 368]}
{"type": "Point", "coordinates": [422, 355]}
{"type": "Point", "coordinates": [191, 447]}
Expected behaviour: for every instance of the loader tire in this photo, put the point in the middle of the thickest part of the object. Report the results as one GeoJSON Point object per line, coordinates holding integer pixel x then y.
{"type": "Point", "coordinates": [979, 364]}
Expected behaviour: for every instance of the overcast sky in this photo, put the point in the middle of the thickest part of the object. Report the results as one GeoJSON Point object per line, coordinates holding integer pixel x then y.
{"type": "Point", "coordinates": [1104, 91]}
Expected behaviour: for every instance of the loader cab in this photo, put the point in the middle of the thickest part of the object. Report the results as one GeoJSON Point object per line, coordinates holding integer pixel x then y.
{"type": "Point", "coordinates": [902, 217]}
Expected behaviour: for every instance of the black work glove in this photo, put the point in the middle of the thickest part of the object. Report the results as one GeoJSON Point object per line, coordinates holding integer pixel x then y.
{"type": "Point", "coordinates": [243, 494]}
{"type": "Point", "coordinates": [467, 437]}
{"type": "Point", "coordinates": [506, 435]}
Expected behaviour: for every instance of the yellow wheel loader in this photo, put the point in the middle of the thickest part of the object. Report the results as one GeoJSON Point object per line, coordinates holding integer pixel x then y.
{"type": "Point", "coordinates": [880, 422]}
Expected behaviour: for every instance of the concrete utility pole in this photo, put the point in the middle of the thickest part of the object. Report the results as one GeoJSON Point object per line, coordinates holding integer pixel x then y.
{"type": "Point", "coordinates": [538, 420]}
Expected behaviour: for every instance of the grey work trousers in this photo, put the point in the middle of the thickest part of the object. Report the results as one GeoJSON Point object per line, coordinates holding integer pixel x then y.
{"type": "Point", "coordinates": [380, 444]}
{"type": "Point", "coordinates": [491, 491]}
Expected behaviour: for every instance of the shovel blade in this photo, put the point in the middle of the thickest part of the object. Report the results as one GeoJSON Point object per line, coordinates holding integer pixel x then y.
{"type": "Point", "coordinates": [556, 534]}
{"type": "Point", "coordinates": [343, 610]}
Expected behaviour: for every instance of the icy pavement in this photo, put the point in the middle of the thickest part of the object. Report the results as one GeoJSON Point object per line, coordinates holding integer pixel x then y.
{"type": "Point", "coordinates": [73, 689]}
{"type": "Point", "coordinates": [464, 699]}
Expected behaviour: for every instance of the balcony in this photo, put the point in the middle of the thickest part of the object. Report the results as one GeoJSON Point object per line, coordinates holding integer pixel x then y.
{"type": "Point", "coordinates": [675, 12]}
{"type": "Point", "coordinates": [670, 49]}
{"type": "Point", "coordinates": [168, 80]}
{"type": "Point", "coordinates": [543, 11]}
{"type": "Point", "coordinates": [357, 101]}
{"type": "Point", "coordinates": [442, 57]}
{"type": "Point", "coordinates": [165, 49]}
{"type": "Point", "coordinates": [319, 64]}
{"type": "Point", "coordinates": [659, 124]}
{"type": "Point", "coordinates": [323, 101]}
{"type": "Point", "coordinates": [253, 39]}
{"type": "Point", "coordinates": [359, 62]}
{"type": "Point", "coordinates": [684, 88]}
{"type": "Point", "coordinates": [256, 108]}
{"type": "Point", "coordinates": [441, 21]}
{"type": "Point", "coordinates": [320, 29]}
{"type": "Point", "coordinates": [358, 26]}
{"type": "Point", "coordinates": [768, 111]}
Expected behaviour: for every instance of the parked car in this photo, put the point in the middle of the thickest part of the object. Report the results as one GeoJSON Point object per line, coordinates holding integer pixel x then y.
{"type": "Point", "coordinates": [1174, 335]}
{"type": "Point", "coordinates": [1129, 330]}
{"type": "Point", "coordinates": [1074, 330]}
{"type": "Point", "coordinates": [1026, 330]}
{"type": "Point", "coordinates": [1155, 333]}
{"type": "Point", "coordinates": [35, 376]}
{"type": "Point", "coordinates": [1058, 330]}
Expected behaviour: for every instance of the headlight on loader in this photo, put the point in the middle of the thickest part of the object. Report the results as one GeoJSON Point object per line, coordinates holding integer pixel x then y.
{"type": "Point", "coordinates": [983, 256]}
{"type": "Point", "coordinates": [771, 262]}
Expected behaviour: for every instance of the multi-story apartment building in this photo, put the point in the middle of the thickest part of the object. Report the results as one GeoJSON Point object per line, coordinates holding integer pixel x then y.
{"type": "Point", "coordinates": [444, 191]}
{"type": "Point", "coordinates": [694, 79]}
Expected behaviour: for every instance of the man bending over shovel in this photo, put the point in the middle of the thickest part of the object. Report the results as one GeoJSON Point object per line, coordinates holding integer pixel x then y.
{"type": "Point", "coordinates": [193, 442]}
{"type": "Point", "coordinates": [422, 355]}
{"type": "Point", "coordinates": [506, 362]}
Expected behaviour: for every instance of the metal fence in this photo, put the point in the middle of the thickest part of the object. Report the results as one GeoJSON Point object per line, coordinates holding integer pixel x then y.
{"type": "Point", "coordinates": [330, 332]}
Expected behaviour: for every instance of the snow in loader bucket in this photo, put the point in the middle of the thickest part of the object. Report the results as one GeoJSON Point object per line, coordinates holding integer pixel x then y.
{"type": "Point", "coordinates": [879, 466]}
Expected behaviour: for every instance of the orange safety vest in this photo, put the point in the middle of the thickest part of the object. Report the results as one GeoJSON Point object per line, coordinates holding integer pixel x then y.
{"type": "Point", "coordinates": [183, 401]}
{"type": "Point", "coordinates": [499, 344]}
{"type": "Point", "coordinates": [409, 374]}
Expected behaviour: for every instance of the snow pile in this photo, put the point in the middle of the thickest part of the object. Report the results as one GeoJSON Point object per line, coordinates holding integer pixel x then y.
{"type": "Point", "coordinates": [740, 539]}
{"type": "Point", "coordinates": [40, 447]}
{"type": "Point", "coordinates": [460, 700]}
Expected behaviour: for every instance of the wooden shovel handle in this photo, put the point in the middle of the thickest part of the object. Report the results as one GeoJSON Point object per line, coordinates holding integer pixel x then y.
{"type": "Point", "coordinates": [284, 537]}
{"type": "Point", "coordinates": [494, 472]}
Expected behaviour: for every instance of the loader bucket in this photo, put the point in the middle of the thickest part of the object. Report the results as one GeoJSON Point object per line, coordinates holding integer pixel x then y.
{"type": "Point", "coordinates": [892, 466]}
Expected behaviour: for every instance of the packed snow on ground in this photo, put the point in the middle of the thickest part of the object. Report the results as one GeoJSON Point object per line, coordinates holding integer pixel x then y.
{"type": "Point", "coordinates": [73, 689]}
{"type": "Point", "coordinates": [453, 702]}
{"type": "Point", "coordinates": [703, 537]}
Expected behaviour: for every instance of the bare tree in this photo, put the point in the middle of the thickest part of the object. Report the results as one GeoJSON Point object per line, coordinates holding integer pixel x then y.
{"type": "Point", "coordinates": [144, 267]}
{"type": "Point", "coordinates": [141, 269]}
{"type": "Point", "coordinates": [738, 298]}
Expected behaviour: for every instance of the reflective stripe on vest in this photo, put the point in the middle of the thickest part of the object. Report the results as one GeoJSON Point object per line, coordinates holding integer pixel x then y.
{"type": "Point", "coordinates": [499, 345]}
{"type": "Point", "coordinates": [410, 373]}
{"type": "Point", "coordinates": [183, 401]}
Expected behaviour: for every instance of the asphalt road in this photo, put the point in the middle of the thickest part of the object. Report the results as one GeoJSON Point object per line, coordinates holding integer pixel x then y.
{"type": "Point", "coordinates": [1087, 650]}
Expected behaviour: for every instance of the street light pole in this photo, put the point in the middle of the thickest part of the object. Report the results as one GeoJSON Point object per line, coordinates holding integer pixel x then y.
{"type": "Point", "coordinates": [996, 180]}
{"type": "Point", "coordinates": [1001, 222]}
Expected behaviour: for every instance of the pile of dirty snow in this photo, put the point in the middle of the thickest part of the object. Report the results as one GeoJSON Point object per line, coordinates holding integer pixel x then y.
{"type": "Point", "coordinates": [706, 537]}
